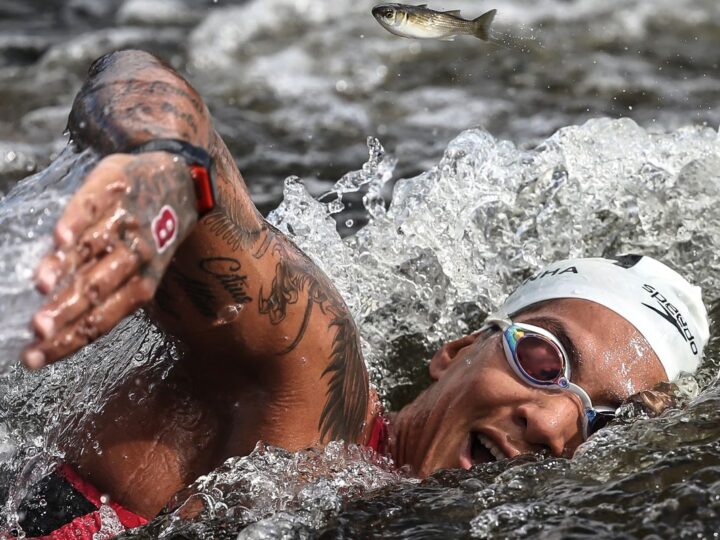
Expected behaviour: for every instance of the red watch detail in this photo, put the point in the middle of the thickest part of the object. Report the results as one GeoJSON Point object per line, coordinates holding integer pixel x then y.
{"type": "Point", "coordinates": [203, 188]}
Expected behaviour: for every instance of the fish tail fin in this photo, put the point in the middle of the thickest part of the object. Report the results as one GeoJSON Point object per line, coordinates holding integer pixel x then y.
{"type": "Point", "coordinates": [481, 25]}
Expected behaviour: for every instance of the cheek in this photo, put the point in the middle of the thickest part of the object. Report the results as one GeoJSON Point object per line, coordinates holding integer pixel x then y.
{"type": "Point", "coordinates": [495, 387]}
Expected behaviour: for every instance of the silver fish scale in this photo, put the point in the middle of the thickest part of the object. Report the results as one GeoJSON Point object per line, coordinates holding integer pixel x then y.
{"type": "Point", "coordinates": [440, 20]}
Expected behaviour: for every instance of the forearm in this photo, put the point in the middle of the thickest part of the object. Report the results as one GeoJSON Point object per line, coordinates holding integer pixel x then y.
{"type": "Point", "coordinates": [246, 302]}
{"type": "Point", "coordinates": [131, 97]}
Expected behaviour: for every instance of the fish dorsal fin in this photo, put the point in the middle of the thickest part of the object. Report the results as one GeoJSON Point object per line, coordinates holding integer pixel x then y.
{"type": "Point", "coordinates": [455, 12]}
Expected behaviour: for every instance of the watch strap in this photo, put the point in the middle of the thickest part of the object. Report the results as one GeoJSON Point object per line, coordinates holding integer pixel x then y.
{"type": "Point", "coordinates": [199, 161]}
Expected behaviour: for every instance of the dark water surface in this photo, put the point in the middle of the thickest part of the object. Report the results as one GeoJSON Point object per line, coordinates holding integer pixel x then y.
{"type": "Point", "coordinates": [296, 88]}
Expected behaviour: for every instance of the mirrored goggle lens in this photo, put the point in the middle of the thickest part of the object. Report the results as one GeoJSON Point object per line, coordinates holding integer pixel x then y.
{"type": "Point", "coordinates": [539, 358]}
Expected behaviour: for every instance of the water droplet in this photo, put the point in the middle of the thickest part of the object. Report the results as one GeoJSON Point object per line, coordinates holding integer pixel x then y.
{"type": "Point", "coordinates": [227, 314]}
{"type": "Point", "coordinates": [335, 206]}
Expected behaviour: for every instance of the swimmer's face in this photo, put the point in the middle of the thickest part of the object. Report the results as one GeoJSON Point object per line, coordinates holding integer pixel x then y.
{"type": "Point", "coordinates": [478, 408]}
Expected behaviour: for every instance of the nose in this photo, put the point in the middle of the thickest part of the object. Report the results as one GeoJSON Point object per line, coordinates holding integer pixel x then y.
{"type": "Point", "coordinates": [554, 423]}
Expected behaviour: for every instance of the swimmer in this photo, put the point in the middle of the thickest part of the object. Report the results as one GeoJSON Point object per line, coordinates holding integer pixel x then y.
{"type": "Point", "coordinates": [164, 223]}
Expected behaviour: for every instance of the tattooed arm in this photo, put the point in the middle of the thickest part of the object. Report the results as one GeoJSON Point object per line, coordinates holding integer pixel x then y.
{"type": "Point", "coordinates": [264, 328]}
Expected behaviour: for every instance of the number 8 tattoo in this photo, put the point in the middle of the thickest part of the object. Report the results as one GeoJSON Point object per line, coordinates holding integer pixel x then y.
{"type": "Point", "coordinates": [165, 228]}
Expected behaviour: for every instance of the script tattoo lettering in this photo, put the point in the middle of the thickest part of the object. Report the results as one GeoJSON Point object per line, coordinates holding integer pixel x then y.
{"type": "Point", "coordinates": [345, 407]}
{"type": "Point", "coordinates": [226, 271]}
{"type": "Point", "coordinates": [200, 293]}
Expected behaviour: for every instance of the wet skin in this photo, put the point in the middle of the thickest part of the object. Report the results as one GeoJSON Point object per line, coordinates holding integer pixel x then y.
{"type": "Point", "coordinates": [271, 351]}
{"type": "Point", "coordinates": [476, 391]}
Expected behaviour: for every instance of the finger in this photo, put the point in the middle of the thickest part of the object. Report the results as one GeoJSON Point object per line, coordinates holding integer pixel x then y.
{"type": "Point", "coordinates": [132, 295]}
{"type": "Point", "coordinates": [95, 241]}
{"type": "Point", "coordinates": [104, 185]}
{"type": "Point", "coordinates": [50, 270]}
{"type": "Point", "coordinates": [90, 288]}
{"type": "Point", "coordinates": [102, 237]}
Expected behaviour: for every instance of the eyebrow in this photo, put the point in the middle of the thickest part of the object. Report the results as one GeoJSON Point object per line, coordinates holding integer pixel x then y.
{"type": "Point", "coordinates": [559, 330]}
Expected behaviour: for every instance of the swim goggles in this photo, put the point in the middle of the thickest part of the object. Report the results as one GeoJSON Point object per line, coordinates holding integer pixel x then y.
{"type": "Point", "coordinates": [540, 360]}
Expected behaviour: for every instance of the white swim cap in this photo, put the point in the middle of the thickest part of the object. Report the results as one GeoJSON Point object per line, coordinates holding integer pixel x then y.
{"type": "Point", "coordinates": [661, 304]}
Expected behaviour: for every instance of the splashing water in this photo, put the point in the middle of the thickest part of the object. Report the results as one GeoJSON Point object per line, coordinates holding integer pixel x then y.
{"type": "Point", "coordinates": [459, 237]}
{"type": "Point", "coordinates": [276, 491]}
{"type": "Point", "coordinates": [453, 241]}
{"type": "Point", "coordinates": [295, 87]}
{"type": "Point", "coordinates": [27, 216]}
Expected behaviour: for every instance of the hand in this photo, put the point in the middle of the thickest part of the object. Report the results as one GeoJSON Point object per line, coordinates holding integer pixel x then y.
{"type": "Point", "coordinates": [113, 243]}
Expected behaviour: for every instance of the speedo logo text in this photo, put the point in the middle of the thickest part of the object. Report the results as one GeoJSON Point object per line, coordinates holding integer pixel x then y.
{"type": "Point", "coordinates": [671, 314]}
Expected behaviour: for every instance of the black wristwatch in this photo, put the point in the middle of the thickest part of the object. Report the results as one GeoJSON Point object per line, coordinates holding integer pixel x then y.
{"type": "Point", "coordinates": [199, 161]}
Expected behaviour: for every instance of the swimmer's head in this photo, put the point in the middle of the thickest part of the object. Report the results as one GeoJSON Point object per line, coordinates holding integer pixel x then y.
{"type": "Point", "coordinates": [662, 305]}
{"type": "Point", "coordinates": [478, 409]}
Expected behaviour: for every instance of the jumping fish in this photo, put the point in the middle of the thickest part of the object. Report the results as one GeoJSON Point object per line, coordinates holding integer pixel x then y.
{"type": "Point", "coordinates": [422, 22]}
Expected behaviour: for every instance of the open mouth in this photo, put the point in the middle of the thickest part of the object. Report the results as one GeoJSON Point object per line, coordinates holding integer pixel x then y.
{"type": "Point", "coordinates": [483, 450]}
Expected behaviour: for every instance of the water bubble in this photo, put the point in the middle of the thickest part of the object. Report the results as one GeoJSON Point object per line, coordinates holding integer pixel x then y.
{"type": "Point", "coordinates": [227, 314]}
{"type": "Point", "coordinates": [97, 447]}
{"type": "Point", "coordinates": [335, 206]}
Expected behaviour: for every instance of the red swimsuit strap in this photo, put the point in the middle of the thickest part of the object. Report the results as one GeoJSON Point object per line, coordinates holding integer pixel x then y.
{"type": "Point", "coordinates": [379, 435]}
{"type": "Point", "coordinates": [127, 518]}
